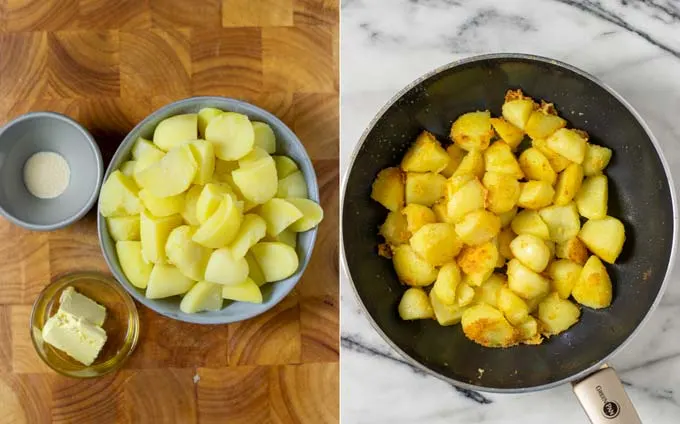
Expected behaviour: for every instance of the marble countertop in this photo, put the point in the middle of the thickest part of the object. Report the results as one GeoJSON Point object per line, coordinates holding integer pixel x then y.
{"type": "Point", "coordinates": [632, 45]}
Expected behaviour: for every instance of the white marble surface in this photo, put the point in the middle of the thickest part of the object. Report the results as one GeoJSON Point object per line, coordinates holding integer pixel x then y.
{"type": "Point", "coordinates": [634, 46]}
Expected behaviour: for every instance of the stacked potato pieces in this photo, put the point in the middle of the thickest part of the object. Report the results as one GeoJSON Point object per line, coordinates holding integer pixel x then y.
{"type": "Point", "coordinates": [207, 218]}
{"type": "Point", "coordinates": [496, 233]}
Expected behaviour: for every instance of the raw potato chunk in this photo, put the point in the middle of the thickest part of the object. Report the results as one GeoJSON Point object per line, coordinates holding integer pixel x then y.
{"type": "Point", "coordinates": [171, 175]}
{"type": "Point", "coordinates": [286, 236]}
{"type": "Point", "coordinates": [209, 200]}
{"type": "Point", "coordinates": [154, 234]}
{"type": "Point", "coordinates": [118, 196]}
{"type": "Point", "coordinates": [472, 164]}
{"type": "Point", "coordinates": [535, 194]}
{"type": "Point", "coordinates": [513, 306]}
{"type": "Point", "coordinates": [277, 260]}
{"type": "Point", "coordinates": [594, 287]}
{"type": "Point", "coordinates": [558, 162]}
{"type": "Point", "coordinates": [128, 168]}
{"type": "Point", "coordinates": [411, 269]}
{"type": "Point", "coordinates": [175, 130]}
{"type": "Point", "coordinates": [572, 249]}
{"type": "Point", "coordinates": [264, 137]}
{"type": "Point", "coordinates": [395, 229]}
{"type": "Point", "coordinates": [312, 214]}
{"type": "Point", "coordinates": [436, 243]}
{"type": "Point", "coordinates": [284, 166]}
{"type": "Point", "coordinates": [487, 326]}
{"type": "Point", "coordinates": [204, 296]}
{"type": "Point", "coordinates": [596, 159]}
{"type": "Point", "coordinates": [488, 291]}
{"type": "Point", "coordinates": [424, 189]}
{"type": "Point", "coordinates": [143, 147]}
{"type": "Point", "coordinates": [507, 132]}
{"type": "Point", "coordinates": [295, 185]}
{"type": "Point", "coordinates": [517, 108]}
{"type": "Point", "coordinates": [162, 206]}
{"type": "Point", "coordinates": [568, 184]}
{"type": "Point", "coordinates": [536, 166]}
{"type": "Point", "coordinates": [499, 158]}
{"type": "Point", "coordinates": [446, 284]}
{"type": "Point", "coordinates": [425, 155]}
{"type": "Point", "coordinates": [253, 229]}
{"type": "Point", "coordinates": [604, 237]}
{"type": "Point", "coordinates": [124, 228]}
{"type": "Point", "coordinates": [417, 216]}
{"type": "Point", "coordinates": [252, 157]}
{"type": "Point", "coordinates": [188, 256]}
{"type": "Point", "coordinates": [247, 291]}
{"type": "Point", "coordinates": [231, 134]}
{"type": "Point", "coordinates": [478, 262]}
{"type": "Point", "coordinates": [258, 182]}
{"type": "Point", "coordinates": [388, 189]}
{"type": "Point", "coordinates": [469, 198]}
{"type": "Point", "coordinates": [563, 222]}
{"type": "Point", "coordinates": [557, 314]}
{"type": "Point", "coordinates": [542, 125]}
{"type": "Point", "coordinates": [254, 271]}
{"type": "Point", "coordinates": [279, 214]}
{"type": "Point", "coordinates": [472, 130]}
{"type": "Point", "coordinates": [414, 304]}
{"type": "Point", "coordinates": [132, 263]}
{"type": "Point", "coordinates": [167, 281]}
{"type": "Point", "coordinates": [222, 226]}
{"type": "Point", "coordinates": [525, 282]}
{"type": "Point", "coordinates": [190, 202]}
{"type": "Point", "coordinates": [206, 115]}
{"type": "Point", "coordinates": [531, 251]}
{"type": "Point", "coordinates": [564, 274]}
{"type": "Point", "coordinates": [478, 227]}
{"type": "Point", "coordinates": [204, 154]}
{"type": "Point", "coordinates": [456, 155]}
{"type": "Point", "coordinates": [223, 170]}
{"type": "Point", "coordinates": [530, 222]}
{"type": "Point", "coordinates": [150, 157]}
{"type": "Point", "coordinates": [593, 196]}
{"type": "Point", "coordinates": [569, 143]}
{"type": "Point", "coordinates": [503, 192]}
{"type": "Point", "coordinates": [445, 314]}
{"type": "Point", "coordinates": [225, 268]}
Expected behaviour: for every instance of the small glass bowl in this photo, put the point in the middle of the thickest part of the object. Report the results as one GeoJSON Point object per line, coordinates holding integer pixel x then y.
{"type": "Point", "coordinates": [121, 324]}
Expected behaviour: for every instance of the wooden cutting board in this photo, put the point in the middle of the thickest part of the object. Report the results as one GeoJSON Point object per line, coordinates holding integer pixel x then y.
{"type": "Point", "coordinates": [108, 64]}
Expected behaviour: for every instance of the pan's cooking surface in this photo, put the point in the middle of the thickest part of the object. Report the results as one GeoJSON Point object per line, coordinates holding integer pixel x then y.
{"type": "Point", "coordinates": [639, 195]}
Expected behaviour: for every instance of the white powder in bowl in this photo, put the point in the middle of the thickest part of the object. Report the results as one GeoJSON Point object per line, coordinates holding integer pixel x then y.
{"type": "Point", "coordinates": [46, 175]}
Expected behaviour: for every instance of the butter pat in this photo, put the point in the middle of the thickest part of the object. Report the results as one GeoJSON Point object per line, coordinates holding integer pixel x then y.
{"type": "Point", "coordinates": [76, 336]}
{"type": "Point", "coordinates": [82, 306]}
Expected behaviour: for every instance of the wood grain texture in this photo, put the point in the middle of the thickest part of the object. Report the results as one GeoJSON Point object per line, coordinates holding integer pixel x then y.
{"type": "Point", "coordinates": [109, 64]}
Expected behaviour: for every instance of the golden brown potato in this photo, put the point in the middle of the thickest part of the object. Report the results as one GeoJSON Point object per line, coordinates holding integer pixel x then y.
{"type": "Point", "coordinates": [447, 282]}
{"type": "Point", "coordinates": [517, 108]}
{"type": "Point", "coordinates": [593, 196]}
{"type": "Point", "coordinates": [415, 304]}
{"type": "Point", "coordinates": [395, 229]}
{"type": "Point", "coordinates": [424, 189]}
{"type": "Point", "coordinates": [487, 326]}
{"type": "Point", "coordinates": [425, 155]}
{"type": "Point", "coordinates": [417, 216]}
{"type": "Point", "coordinates": [513, 307]}
{"type": "Point", "coordinates": [572, 249]}
{"type": "Point", "coordinates": [557, 314]}
{"type": "Point", "coordinates": [604, 237]}
{"type": "Point", "coordinates": [507, 217]}
{"type": "Point", "coordinates": [530, 222]}
{"type": "Point", "coordinates": [568, 184]}
{"type": "Point", "coordinates": [593, 288]}
{"type": "Point", "coordinates": [470, 197]}
{"type": "Point", "coordinates": [525, 282]}
{"type": "Point", "coordinates": [488, 291]}
{"type": "Point", "coordinates": [472, 164]}
{"type": "Point", "coordinates": [436, 243]}
{"type": "Point", "coordinates": [531, 251]}
{"type": "Point", "coordinates": [478, 227]}
{"type": "Point", "coordinates": [507, 132]}
{"type": "Point", "coordinates": [536, 166]}
{"type": "Point", "coordinates": [596, 159]}
{"type": "Point", "coordinates": [388, 189]}
{"type": "Point", "coordinates": [503, 192]}
{"type": "Point", "coordinates": [443, 313]}
{"type": "Point", "coordinates": [505, 237]}
{"type": "Point", "coordinates": [542, 124]}
{"type": "Point", "coordinates": [535, 194]}
{"type": "Point", "coordinates": [528, 331]}
{"type": "Point", "coordinates": [563, 222]}
{"type": "Point", "coordinates": [454, 184]}
{"type": "Point", "coordinates": [440, 211]}
{"type": "Point", "coordinates": [499, 158]}
{"type": "Point", "coordinates": [557, 161]}
{"type": "Point", "coordinates": [456, 155]}
{"type": "Point", "coordinates": [569, 143]}
{"type": "Point", "coordinates": [464, 294]}
{"type": "Point", "coordinates": [478, 262]}
{"type": "Point", "coordinates": [411, 269]}
{"type": "Point", "coordinates": [564, 274]}
{"type": "Point", "coordinates": [472, 130]}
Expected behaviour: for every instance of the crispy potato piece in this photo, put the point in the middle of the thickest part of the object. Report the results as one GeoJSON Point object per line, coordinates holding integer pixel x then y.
{"type": "Point", "coordinates": [478, 261]}
{"type": "Point", "coordinates": [488, 291]}
{"type": "Point", "coordinates": [557, 314]}
{"type": "Point", "coordinates": [530, 222]}
{"type": "Point", "coordinates": [525, 282]}
{"type": "Point", "coordinates": [569, 143]}
{"type": "Point", "coordinates": [465, 294]}
{"type": "Point", "coordinates": [564, 274]}
{"type": "Point", "coordinates": [417, 216]}
{"type": "Point", "coordinates": [415, 304]}
{"type": "Point", "coordinates": [441, 212]}
{"type": "Point", "coordinates": [562, 221]}
{"type": "Point", "coordinates": [471, 164]}
{"type": "Point", "coordinates": [388, 189]}
{"type": "Point", "coordinates": [596, 159]}
{"type": "Point", "coordinates": [472, 130]}
{"type": "Point", "coordinates": [568, 184]}
{"type": "Point", "coordinates": [505, 237]}
{"type": "Point", "coordinates": [517, 108]}
{"type": "Point", "coordinates": [411, 269]}
{"type": "Point", "coordinates": [572, 249]}
{"type": "Point", "coordinates": [395, 229]}
{"type": "Point", "coordinates": [507, 217]}
{"type": "Point", "coordinates": [536, 166]}
{"type": "Point", "coordinates": [446, 285]}
{"type": "Point", "coordinates": [456, 155]}
{"type": "Point", "coordinates": [535, 194]}
{"type": "Point", "coordinates": [478, 227]}
{"type": "Point", "coordinates": [542, 124]}
{"type": "Point", "coordinates": [533, 302]}
{"type": "Point", "coordinates": [513, 306]}
{"type": "Point", "coordinates": [557, 161]}
{"type": "Point", "coordinates": [593, 196]}
{"type": "Point", "coordinates": [531, 251]}
{"type": "Point", "coordinates": [500, 261]}
{"type": "Point", "coordinates": [593, 288]}
{"type": "Point", "coordinates": [487, 326]}
{"type": "Point", "coordinates": [470, 197]}
{"type": "Point", "coordinates": [425, 155]}
{"type": "Point", "coordinates": [443, 313]}
{"type": "Point", "coordinates": [528, 331]}
{"type": "Point", "coordinates": [436, 243]}
{"type": "Point", "coordinates": [454, 184]}
{"type": "Point", "coordinates": [503, 192]}
{"type": "Point", "coordinates": [604, 237]}
{"type": "Point", "coordinates": [499, 158]}
{"type": "Point", "coordinates": [424, 189]}
{"type": "Point", "coordinates": [507, 132]}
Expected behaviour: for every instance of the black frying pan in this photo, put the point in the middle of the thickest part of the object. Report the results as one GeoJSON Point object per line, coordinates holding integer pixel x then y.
{"type": "Point", "coordinates": [640, 194]}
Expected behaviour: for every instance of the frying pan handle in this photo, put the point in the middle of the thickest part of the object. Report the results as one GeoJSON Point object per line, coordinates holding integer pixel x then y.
{"type": "Point", "coordinates": [604, 399]}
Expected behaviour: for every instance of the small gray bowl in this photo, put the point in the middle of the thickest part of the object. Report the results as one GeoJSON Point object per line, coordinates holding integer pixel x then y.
{"type": "Point", "coordinates": [287, 144]}
{"type": "Point", "coordinates": [47, 131]}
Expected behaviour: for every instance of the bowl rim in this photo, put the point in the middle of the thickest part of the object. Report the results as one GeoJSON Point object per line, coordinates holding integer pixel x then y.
{"type": "Point", "coordinates": [312, 187]}
{"type": "Point", "coordinates": [99, 163]}
{"type": "Point", "coordinates": [535, 58]}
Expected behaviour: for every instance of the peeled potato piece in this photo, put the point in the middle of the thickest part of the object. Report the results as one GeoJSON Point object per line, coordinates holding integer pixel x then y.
{"type": "Point", "coordinates": [284, 166]}
{"type": "Point", "coordinates": [171, 175]}
{"type": "Point", "coordinates": [276, 260]}
{"type": "Point", "coordinates": [395, 229]}
{"type": "Point", "coordinates": [596, 159]}
{"type": "Point", "coordinates": [425, 155]}
{"type": "Point", "coordinates": [507, 132]}
{"type": "Point", "coordinates": [118, 196]}
{"type": "Point", "coordinates": [500, 159]}
{"type": "Point", "coordinates": [525, 282]}
{"type": "Point", "coordinates": [232, 135]}
{"type": "Point", "coordinates": [312, 214]}
{"type": "Point", "coordinates": [149, 158]}
{"type": "Point", "coordinates": [531, 251]}
{"type": "Point", "coordinates": [154, 232]}
{"type": "Point", "coordinates": [209, 200]}
{"type": "Point", "coordinates": [264, 137]}
{"type": "Point", "coordinates": [471, 164]}
{"type": "Point", "coordinates": [593, 288]}
{"type": "Point", "coordinates": [478, 227]}
{"type": "Point", "coordinates": [456, 155]}
{"type": "Point", "coordinates": [128, 168]}
{"type": "Point", "coordinates": [503, 192]}
{"type": "Point", "coordinates": [593, 196]}
{"type": "Point", "coordinates": [142, 147]}
{"type": "Point", "coordinates": [436, 243]}
{"type": "Point", "coordinates": [416, 216]}
{"type": "Point", "coordinates": [132, 263]}
{"type": "Point", "coordinates": [175, 130]}
{"type": "Point", "coordinates": [488, 291]}
{"type": "Point", "coordinates": [257, 182]}
{"type": "Point", "coordinates": [530, 222]}
{"type": "Point", "coordinates": [536, 166]}
{"type": "Point", "coordinates": [568, 184]}
{"type": "Point", "coordinates": [286, 236]}
{"type": "Point", "coordinates": [563, 222]}
{"type": "Point", "coordinates": [124, 228]}
{"type": "Point", "coordinates": [222, 226]}
{"type": "Point", "coordinates": [472, 130]}
{"type": "Point", "coordinates": [535, 194]}
{"type": "Point", "coordinates": [203, 296]}
{"type": "Point", "coordinates": [204, 154]}
{"type": "Point", "coordinates": [206, 115]}
{"type": "Point", "coordinates": [564, 274]}
{"type": "Point", "coordinates": [414, 305]}
{"type": "Point", "coordinates": [254, 271]}
{"type": "Point", "coordinates": [225, 268]}
{"type": "Point", "coordinates": [487, 326]}
{"type": "Point", "coordinates": [294, 185]}
{"type": "Point", "coordinates": [188, 256]}
{"type": "Point", "coordinates": [528, 330]}
{"type": "Point", "coordinates": [513, 307]}
{"type": "Point", "coordinates": [247, 291]}
{"type": "Point", "coordinates": [424, 189]}
{"type": "Point", "coordinates": [253, 228]}
{"type": "Point", "coordinates": [569, 143]}
{"type": "Point", "coordinates": [507, 217]}
{"type": "Point", "coordinates": [162, 206]}
{"type": "Point", "coordinates": [447, 282]}
{"type": "Point", "coordinates": [465, 294]}
{"type": "Point", "coordinates": [573, 249]}
{"type": "Point", "coordinates": [470, 197]}
{"type": "Point", "coordinates": [166, 281]}
{"type": "Point", "coordinates": [253, 156]}
{"type": "Point", "coordinates": [542, 124]}
{"type": "Point", "coordinates": [517, 108]}
{"type": "Point", "coordinates": [557, 314]}
{"type": "Point", "coordinates": [190, 202]}
{"type": "Point", "coordinates": [279, 214]}
{"type": "Point", "coordinates": [604, 237]}
{"type": "Point", "coordinates": [445, 314]}
{"type": "Point", "coordinates": [411, 269]}
{"type": "Point", "coordinates": [478, 261]}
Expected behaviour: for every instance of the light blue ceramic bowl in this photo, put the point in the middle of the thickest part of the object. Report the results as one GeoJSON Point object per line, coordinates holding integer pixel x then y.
{"type": "Point", "coordinates": [287, 144]}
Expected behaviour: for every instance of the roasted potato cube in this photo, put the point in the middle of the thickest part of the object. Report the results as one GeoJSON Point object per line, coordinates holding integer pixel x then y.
{"type": "Point", "coordinates": [604, 237]}
{"type": "Point", "coordinates": [476, 279]}
{"type": "Point", "coordinates": [569, 143]}
{"type": "Point", "coordinates": [425, 155]}
{"type": "Point", "coordinates": [568, 184]}
{"type": "Point", "coordinates": [525, 282]}
{"type": "Point", "coordinates": [542, 124]}
{"type": "Point", "coordinates": [593, 288]}
{"type": "Point", "coordinates": [414, 304]}
{"type": "Point", "coordinates": [388, 189]}
{"type": "Point", "coordinates": [507, 132]}
{"type": "Point", "coordinates": [454, 184]}
{"type": "Point", "coordinates": [528, 331]}
{"type": "Point", "coordinates": [424, 189]}
{"type": "Point", "coordinates": [536, 166]}
{"type": "Point", "coordinates": [478, 227]}
{"type": "Point", "coordinates": [417, 216]}
{"type": "Point", "coordinates": [500, 262]}
{"type": "Point", "coordinates": [395, 229]}
{"type": "Point", "coordinates": [593, 196]}
{"type": "Point", "coordinates": [488, 291]}
{"type": "Point", "coordinates": [478, 261]}
{"type": "Point", "coordinates": [562, 221]}
{"type": "Point", "coordinates": [530, 222]}
{"type": "Point", "coordinates": [531, 251]}
{"type": "Point", "coordinates": [557, 161]}
{"type": "Point", "coordinates": [445, 314]}
{"type": "Point", "coordinates": [411, 269]}
{"type": "Point", "coordinates": [499, 158]}
{"type": "Point", "coordinates": [572, 249]}
{"type": "Point", "coordinates": [513, 306]}
{"type": "Point", "coordinates": [503, 192]}
{"type": "Point", "coordinates": [487, 326]}
{"type": "Point", "coordinates": [505, 237]}
{"type": "Point", "coordinates": [456, 155]}
{"type": "Point", "coordinates": [470, 197]}
{"type": "Point", "coordinates": [564, 274]}
{"type": "Point", "coordinates": [507, 217]}
{"type": "Point", "coordinates": [436, 243]}
{"type": "Point", "coordinates": [532, 303]}
{"type": "Point", "coordinates": [517, 109]}
{"type": "Point", "coordinates": [441, 212]}
{"type": "Point", "coordinates": [472, 130]}
{"type": "Point", "coordinates": [465, 294]}
{"type": "Point", "coordinates": [557, 314]}
{"type": "Point", "coordinates": [535, 194]}
{"type": "Point", "coordinates": [446, 285]}
{"type": "Point", "coordinates": [471, 164]}
{"type": "Point", "coordinates": [596, 159]}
